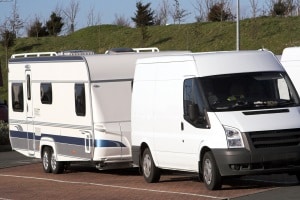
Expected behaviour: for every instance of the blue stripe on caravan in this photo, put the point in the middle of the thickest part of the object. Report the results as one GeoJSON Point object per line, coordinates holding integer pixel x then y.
{"type": "Point", "coordinates": [66, 139]}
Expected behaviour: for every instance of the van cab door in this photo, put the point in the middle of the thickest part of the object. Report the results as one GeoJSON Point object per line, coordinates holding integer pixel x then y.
{"type": "Point", "coordinates": [29, 112]}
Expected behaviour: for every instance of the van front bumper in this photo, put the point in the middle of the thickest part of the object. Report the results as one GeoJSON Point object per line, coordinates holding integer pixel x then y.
{"type": "Point", "coordinates": [236, 162]}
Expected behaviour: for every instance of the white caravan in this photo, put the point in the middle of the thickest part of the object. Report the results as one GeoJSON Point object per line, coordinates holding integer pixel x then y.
{"type": "Point", "coordinates": [219, 114]}
{"type": "Point", "coordinates": [290, 59]}
{"type": "Point", "coordinates": [72, 108]}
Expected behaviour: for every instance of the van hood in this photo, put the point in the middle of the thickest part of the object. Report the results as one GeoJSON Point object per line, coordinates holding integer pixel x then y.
{"type": "Point", "coordinates": [261, 120]}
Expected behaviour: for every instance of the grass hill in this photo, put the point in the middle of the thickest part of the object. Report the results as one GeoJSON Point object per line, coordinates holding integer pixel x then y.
{"type": "Point", "coordinates": [273, 33]}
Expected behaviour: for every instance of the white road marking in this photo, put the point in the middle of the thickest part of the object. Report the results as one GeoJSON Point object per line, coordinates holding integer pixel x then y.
{"type": "Point", "coordinates": [113, 186]}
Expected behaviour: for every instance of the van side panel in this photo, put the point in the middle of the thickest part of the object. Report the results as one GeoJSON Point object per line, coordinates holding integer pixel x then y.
{"type": "Point", "coordinates": [158, 116]}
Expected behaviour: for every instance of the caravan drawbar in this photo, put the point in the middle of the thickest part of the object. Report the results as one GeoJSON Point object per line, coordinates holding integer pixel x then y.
{"type": "Point", "coordinates": [66, 108]}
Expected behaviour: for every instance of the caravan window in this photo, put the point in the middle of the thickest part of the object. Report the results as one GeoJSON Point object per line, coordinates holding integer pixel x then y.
{"type": "Point", "coordinates": [79, 99]}
{"type": "Point", "coordinates": [17, 97]}
{"type": "Point", "coordinates": [46, 93]}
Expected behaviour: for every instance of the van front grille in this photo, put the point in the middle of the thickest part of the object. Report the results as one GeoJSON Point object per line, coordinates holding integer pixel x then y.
{"type": "Point", "coordinates": [275, 138]}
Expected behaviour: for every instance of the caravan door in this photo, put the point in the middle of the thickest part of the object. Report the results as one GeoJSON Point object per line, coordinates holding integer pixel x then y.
{"type": "Point", "coordinates": [29, 112]}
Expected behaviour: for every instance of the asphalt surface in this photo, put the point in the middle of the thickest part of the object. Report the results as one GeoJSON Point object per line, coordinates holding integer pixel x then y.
{"type": "Point", "coordinates": [274, 187]}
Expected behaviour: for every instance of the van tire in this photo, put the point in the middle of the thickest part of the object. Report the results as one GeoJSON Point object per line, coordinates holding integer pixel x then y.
{"type": "Point", "coordinates": [56, 166]}
{"type": "Point", "coordinates": [211, 175]}
{"type": "Point", "coordinates": [46, 159]}
{"type": "Point", "coordinates": [150, 172]}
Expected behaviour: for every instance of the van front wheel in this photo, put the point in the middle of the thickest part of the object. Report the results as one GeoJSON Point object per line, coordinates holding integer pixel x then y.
{"type": "Point", "coordinates": [211, 175]}
{"type": "Point", "coordinates": [150, 172]}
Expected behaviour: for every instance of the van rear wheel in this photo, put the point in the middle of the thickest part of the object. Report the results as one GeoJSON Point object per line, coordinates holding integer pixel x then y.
{"type": "Point", "coordinates": [150, 172]}
{"type": "Point", "coordinates": [46, 159]}
{"type": "Point", "coordinates": [211, 175]}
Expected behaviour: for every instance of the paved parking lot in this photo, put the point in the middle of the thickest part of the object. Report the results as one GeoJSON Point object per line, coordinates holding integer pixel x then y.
{"type": "Point", "coordinates": [23, 178]}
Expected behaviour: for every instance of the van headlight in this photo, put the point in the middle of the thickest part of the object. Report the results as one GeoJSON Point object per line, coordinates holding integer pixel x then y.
{"type": "Point", "coordinates": [234, 137]}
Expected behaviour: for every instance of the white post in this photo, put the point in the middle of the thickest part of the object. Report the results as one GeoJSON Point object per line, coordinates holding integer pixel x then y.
{"type": "Point", "coordinates": [238, 25]}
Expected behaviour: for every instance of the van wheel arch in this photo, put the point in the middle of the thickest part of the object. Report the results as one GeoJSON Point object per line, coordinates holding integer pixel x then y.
{"type": "Point", "coordinates": [210, 172]}
{"type": "Point", "coordinates": [150, 172]}
{"type": "Point", "coordinates": [203, 151]}
{"type": "Point", "coordinates": [143, 147]}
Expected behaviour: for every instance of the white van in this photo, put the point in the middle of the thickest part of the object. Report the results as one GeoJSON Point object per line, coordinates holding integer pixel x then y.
{"type": "Point", "coordinates": [67, 108]}
{"type": "Point", "coordinates": [290, 59]}
{"type": "Point", "coordinates": [219, 114]}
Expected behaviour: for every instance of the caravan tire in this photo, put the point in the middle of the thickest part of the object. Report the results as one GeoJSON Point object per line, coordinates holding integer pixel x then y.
{"type": "Point", "coordinates": [46, 159]}
{"type": "Point", "coordinates": [211, 175]}
{"type": "Point", "coordinates": [56, 167]}
{"type": "Point", "coordinates": [150, 172]}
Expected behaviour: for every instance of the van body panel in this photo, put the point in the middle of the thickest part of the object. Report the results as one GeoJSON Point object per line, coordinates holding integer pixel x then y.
{"type": "Point", "coordinates": [291, 62]}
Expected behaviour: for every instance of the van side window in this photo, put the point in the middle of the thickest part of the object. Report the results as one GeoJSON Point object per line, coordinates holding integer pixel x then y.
{"type": "Point", "coordinates": [46, 93]}
{"type": "Point", "coordinates": [17, 97]}
{"type": "Point", "coordinates": [193, 105]}
{"type": "Point", "coordinates": [80, 100]}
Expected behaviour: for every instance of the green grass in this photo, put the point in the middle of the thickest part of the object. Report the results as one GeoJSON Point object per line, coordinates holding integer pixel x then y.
{"type": "Point", "coordinates": [273, 33]}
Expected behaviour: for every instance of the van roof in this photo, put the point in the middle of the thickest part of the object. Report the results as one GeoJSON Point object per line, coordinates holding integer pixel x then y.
{"type": "Point", "coordinates": [226, 62]}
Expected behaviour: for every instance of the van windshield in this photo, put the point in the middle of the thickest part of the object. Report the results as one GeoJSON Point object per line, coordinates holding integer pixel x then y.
{"type": "Point", "coordinates": [249, 91]}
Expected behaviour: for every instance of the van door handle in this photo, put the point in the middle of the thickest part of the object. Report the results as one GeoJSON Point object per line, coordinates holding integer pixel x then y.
{"type": "Point", "coordinates": [182, 126]}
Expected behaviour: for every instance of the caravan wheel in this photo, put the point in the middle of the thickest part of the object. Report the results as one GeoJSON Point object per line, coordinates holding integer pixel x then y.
{"type": "Point", "coordinates": [56, 167]}
{"type": "Point", "coordinates": [150, 171]}
{"type": "Point", "coordinates": [46, 159]}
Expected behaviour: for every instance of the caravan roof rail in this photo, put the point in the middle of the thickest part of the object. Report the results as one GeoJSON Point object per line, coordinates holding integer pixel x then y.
{"type": "Point", "coordinates": [129, 50]}
{"type": "Point", "coordinates": [75, 52]}
{"type": "Point", "coordinates": [148, 49]}
{"type": "Point", "coordinates": [37, 54]}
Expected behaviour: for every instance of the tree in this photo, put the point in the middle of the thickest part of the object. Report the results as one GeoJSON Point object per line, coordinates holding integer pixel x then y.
{"type": "Point", "coordinates": [177, 13]}
{"type": "Point", "coordinates": [254, 7]}
{"type": "Point", "coordinates": [93, 19]}
{"type": "Point", "coordinates": [7, 37]}
{"type": "Point", "coordinates": [144, 17]}
{"type": "Point", "coordinates": [200, 10]}
{"type": "Point", "coordinates": [71, 13]}
{"type": "Point", "coordinates": [219, 12]}
{"type": "Point", "coordinates": [161, 17]}
{"type": "Point", "coordinates": [16, 23]}
{"type": "Point", "coordinates": [279, 8]}
{"type": "Point", "coordinates": [121, 21]}
{"type": "Point", "coordinates": [54, 25]}
{"type": "Point", "coordinates": [36, 29]}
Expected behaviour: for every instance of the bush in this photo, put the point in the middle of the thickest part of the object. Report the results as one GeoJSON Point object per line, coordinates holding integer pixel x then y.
{"type": "Point", "coordinates": [4, 133]}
